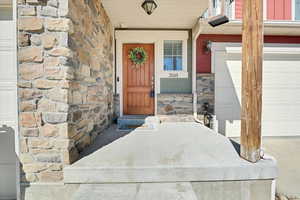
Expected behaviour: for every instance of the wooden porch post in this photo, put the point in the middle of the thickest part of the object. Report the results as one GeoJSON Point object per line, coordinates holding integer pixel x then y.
{"type": "Point", "coordinates": [252, 79]}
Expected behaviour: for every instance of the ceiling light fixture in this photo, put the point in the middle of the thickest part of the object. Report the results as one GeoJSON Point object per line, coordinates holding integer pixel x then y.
{"type": "Point", "coordinates": [149, 6]}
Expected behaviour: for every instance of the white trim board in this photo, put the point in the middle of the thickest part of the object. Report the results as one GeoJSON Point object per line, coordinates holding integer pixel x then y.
{"type": "Point", "coordinates": [268, 47]}
{"type": "Point", "coordinates": [144, 37]}
{"type": "Point", "coordinates": [268, 50]}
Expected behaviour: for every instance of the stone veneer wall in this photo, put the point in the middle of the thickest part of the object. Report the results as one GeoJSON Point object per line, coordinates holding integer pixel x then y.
{"type": "Point", "coordinates": [174, 104]}
{"type": "Point", "coordinates": [91, 107]}
{"type": "Point", "coordinates": [116, 106]}
{"type": "Point", "coordinates": [205, 91]}
{"type": "Point", "coordinates": [65, 82]}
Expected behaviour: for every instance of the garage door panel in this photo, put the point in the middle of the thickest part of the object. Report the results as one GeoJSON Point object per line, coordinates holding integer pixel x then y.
{"type": "Point", "coordinates": [277, 128]}
{"type": "Point", "coordinates": [6, 30]}
{"type": "Point", "coordinates": [281, 79]}
{"type": "Point", "coordinates": [270, 113]}
{"type": "Point", "coordinates": [282, 73]}
{"type": "Point", "coordinates": [231, 75]}
{"type": "Point", "coordinates": [7, 69]}
{"type": "Point", "coordinates": [281, 94]}
{"type": "Point", "coordinates": [280, 113]}
{"type": "Point", "coordinates": [291, 55]}
{"type": "Point", "coordinates": [281, 66]}
{"type": "Point", "coordinates": [280, 128]}
{"type": "Point", "coordinates": [7, 105]}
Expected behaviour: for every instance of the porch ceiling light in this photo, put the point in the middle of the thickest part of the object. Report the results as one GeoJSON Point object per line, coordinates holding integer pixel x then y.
{"type": "Point", "coordinates": [149, 6]}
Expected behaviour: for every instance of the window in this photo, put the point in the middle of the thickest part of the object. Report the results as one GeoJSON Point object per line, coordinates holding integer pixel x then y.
{"type": "Point", "coordinates": [173, 56]}
{"type": "Point", "coordinates": [297, 9]}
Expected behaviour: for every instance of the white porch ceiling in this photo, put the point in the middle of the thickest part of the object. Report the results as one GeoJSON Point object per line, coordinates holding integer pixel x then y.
{"type": "Point", "coordinates": [169, 14]}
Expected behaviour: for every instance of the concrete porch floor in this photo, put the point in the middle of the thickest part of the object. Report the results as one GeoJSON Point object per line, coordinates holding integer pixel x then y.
{"type": "Point", "coordinates": [174, 152]}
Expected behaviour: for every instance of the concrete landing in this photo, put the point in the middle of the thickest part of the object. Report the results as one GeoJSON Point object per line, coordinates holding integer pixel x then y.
{"type": "Point", "coordinates": [131, 122]}
{"type": "Point", "coordinates": [286, 151]}
{"type": "Point", "coordinates": [175, 152]}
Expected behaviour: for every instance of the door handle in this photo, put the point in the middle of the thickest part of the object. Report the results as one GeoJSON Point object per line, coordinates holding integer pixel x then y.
{"type": "Point", "coordinates": [152, 83]}
{"type": "Point", "coordinates": [152, 94]}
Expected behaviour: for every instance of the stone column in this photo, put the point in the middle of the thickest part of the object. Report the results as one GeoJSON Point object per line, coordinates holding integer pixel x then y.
{"type": "Point", "coordinates": [44, 77]}
{"type": "Point", "coordinates": [65, 82]}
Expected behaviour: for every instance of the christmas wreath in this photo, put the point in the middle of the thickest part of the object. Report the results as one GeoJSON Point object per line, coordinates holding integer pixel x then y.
{"type": "Point", "coordinates": [138, 56]}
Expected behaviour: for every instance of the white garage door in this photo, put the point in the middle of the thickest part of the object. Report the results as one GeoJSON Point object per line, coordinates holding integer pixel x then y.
{"type": "Point", "coordinates": [281, 89]}
{"type": "Point", "coordinates": [8, 103]}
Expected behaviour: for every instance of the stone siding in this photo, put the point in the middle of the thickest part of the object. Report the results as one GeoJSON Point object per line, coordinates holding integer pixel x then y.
{"type": "Point", "coordinates": [285, 197]}
{"type": "Point", "coordinates": [205, 91]}
{"type": "Point", "coordinates": [91, 105]}
{"type": "Point", "coordinates": [173, 104]}
{"type": "Point", "coordinates": [65, 82]}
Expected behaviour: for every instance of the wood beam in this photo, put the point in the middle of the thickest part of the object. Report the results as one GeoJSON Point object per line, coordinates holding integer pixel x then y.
{"type": "Point", "coordinates": [252, 79]}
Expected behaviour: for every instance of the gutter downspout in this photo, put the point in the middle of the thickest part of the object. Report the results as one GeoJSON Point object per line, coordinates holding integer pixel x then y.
{"type": "Point", "coordinates": [195, 35]}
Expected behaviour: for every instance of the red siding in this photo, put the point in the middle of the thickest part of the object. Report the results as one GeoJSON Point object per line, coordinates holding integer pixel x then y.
{"type": "Point", "coordinates": [238, 9]}
{"type": "Point", "coordinates": [276, 9]}
{"type": "Point", "coordinates": [279, 9]}
{"type": "Point", "coordinates": [204, 58]}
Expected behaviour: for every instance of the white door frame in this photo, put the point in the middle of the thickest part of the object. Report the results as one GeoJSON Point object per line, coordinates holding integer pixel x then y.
{"type": "Point", "coordinates": [144, 37]}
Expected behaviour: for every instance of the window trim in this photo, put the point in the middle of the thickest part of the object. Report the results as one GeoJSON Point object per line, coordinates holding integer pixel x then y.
{"type": "Point", "coordinates": [294, 11]}
{"type": "Point", "coordinates": [175, 74]}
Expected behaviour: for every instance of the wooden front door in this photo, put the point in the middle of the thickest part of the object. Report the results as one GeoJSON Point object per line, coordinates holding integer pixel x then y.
{"type": "Point", "coordinates": [138, 82]}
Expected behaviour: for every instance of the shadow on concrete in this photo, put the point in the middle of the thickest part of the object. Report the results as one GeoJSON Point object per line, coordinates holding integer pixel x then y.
{"type": "Point", "coordinates": [106, 137]}
{"type": "Point", "coordinates": [236, 146]}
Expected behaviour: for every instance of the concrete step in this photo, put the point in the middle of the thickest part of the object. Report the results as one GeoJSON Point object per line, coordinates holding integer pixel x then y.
{"type": "Point", "coordinates": [178, 118]}
{"type": "Point", "coordinates": [144, 191]}
{"type": "Point", "coordinates": [131, 122]}
{"type": "Point", "coordinates": [228, 190]}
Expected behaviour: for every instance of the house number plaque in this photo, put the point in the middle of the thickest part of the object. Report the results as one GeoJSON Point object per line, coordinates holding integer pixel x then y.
{"type": "Point", "coordinates": [173, 75]}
